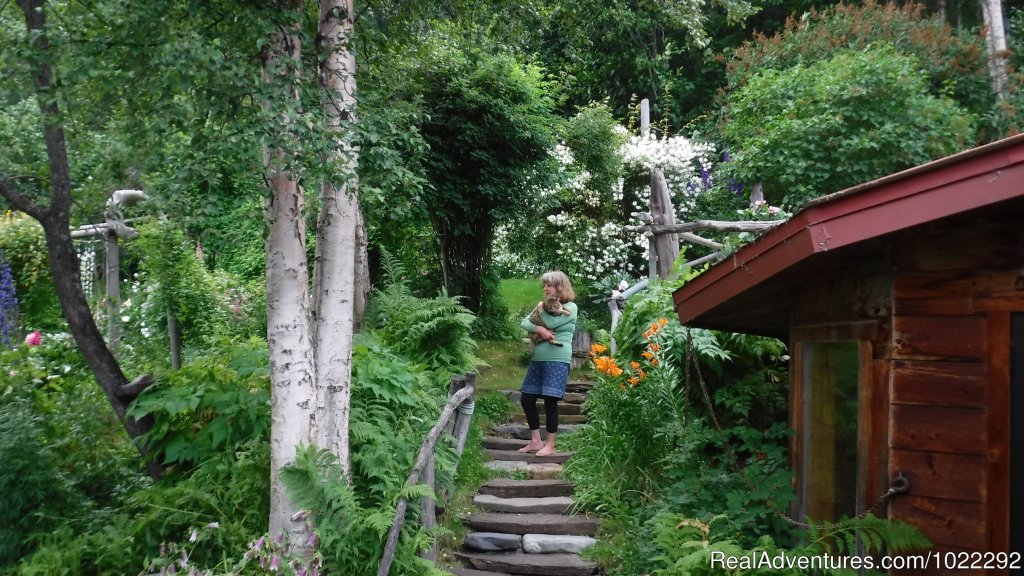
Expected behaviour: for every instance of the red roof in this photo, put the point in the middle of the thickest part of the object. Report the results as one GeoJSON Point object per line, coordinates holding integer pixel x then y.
{"type": "Point", "coordinates": [738, 294]}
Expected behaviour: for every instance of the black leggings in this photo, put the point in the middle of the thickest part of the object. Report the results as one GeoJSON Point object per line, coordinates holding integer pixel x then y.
{"type": "Point", "coordinates": [529, 402]}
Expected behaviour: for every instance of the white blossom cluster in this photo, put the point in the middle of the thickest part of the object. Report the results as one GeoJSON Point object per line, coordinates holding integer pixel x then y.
{"type": "Point", "coordinates": [685, 163]}
{"type": "Point", "coordinates": [595, 250]}
{"type": "Point", "coordinates": [87, 268]}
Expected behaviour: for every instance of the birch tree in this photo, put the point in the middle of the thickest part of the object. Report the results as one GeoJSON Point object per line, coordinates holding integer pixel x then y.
{"type": "Point", "coordinates": [995, 41]}
{"type": "Point", "coordinates": [309, 335]}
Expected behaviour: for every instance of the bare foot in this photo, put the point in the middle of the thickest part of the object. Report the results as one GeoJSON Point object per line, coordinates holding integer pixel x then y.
{"type": "Point", "coordinates": [546, 451]}
{"type": "Point", "coordinates": [530, 448]}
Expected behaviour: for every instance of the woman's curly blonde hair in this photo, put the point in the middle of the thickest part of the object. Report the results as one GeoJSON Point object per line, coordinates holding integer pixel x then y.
{"type": "Point", "coordinates": [561, 283]}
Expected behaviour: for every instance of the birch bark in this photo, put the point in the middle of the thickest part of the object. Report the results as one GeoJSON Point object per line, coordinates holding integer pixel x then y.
{"type": "Point", "coordinates": [334, 279]}
{"type": "Point", "coordinates": [995, 41]}
{"type": "Point", "coordinates": [292, 367]}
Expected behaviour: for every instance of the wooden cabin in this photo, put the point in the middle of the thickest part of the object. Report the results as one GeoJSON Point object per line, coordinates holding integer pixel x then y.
{"type": "Point", "coordinates": [902, 301]}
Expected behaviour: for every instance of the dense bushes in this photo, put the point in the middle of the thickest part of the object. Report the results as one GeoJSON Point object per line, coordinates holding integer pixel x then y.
{"type": "Point", "coordinates": [685, 450]}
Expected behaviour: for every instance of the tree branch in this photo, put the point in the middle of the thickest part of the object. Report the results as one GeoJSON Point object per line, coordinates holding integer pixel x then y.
{"type": "Point", "coordinates": [19, 200]}
{"type": "Point", "coordinates": [713, 225]}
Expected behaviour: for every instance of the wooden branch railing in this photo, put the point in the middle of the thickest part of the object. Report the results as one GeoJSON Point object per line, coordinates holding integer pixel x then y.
{"type": "Point", "coordinates": [460, 401]}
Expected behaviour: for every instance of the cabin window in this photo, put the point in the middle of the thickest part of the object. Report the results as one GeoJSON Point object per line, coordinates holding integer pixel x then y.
{"type": "Point", "coordinates": [829, 431]}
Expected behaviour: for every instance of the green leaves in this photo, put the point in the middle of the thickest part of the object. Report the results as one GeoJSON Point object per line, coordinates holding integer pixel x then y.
{"type": "Point", "coordinates": [871, 109]}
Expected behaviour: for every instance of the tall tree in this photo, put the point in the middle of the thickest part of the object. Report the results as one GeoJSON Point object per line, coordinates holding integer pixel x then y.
{"type": "Point", "coordinates": [292, 351]}
{"type": "Point", "coordinates": [995, 41]}
{"type": "Point", "coordinates": [55, 218]}
{"type": "Point", "coordinates": [490, 126]}
{"type": "Point", "coordinates": [310, 335]}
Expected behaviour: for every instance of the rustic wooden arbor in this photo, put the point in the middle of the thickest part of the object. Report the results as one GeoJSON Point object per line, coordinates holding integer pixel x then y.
{"type": "Point", "coordinates": [902, 301]}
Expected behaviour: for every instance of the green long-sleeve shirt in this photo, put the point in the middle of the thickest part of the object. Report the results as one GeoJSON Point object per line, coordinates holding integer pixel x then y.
{"type": "Point", "coordinates": [563, 328]}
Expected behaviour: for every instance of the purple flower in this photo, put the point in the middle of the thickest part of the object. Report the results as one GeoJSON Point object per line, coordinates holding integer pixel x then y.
{"type": "Point", "coordinates": [194, 535]}
{"type": "Point", "coordinates": [275, 562]}
{"type": "Point", "coordinates": [312, 540]}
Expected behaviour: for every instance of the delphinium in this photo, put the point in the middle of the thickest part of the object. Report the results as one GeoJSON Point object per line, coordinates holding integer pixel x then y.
{"type": "Point", "coordinates": [8, 304]}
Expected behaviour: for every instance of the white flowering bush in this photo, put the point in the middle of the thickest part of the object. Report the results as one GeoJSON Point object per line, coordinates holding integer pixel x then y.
{"type": "Point", "coordinates": [580, 230]}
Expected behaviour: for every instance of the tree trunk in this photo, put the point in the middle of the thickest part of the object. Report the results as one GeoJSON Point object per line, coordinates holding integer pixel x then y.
{"type": "Point", "coordinates": [337, 232]}
{"type": "Point", "coordinates": [465, 247]}
{"type": "Point", "coordinates": [292, 367]}
{"type": "Point", "coordinates": [995, 41]}
{"type": "Point", "coordinates": [55, 220]}
{"type": "Point", "coordinates": [363, 286]}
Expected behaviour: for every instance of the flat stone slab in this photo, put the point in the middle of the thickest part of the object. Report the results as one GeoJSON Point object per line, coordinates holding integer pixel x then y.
{"type": "Point", "coordinates": [537, 564]}
{"type": "Point", "coordinates": [581, 386]}
{"type": "Point", "coordinates": [562, 419]}
{"type": "Point", "coordinates": [500, 443]}
{"type": "Point", "coordinates": [522, 431]}
{"type": "Point", "coordinates": [471, 572]}
{"type": "Point", "coordinates": [544, 471]}
{"type": "Point", "coordinates": [492, 541]}
{"type": "Point", "coordinates": [555, 543]}
{"type": "Point", "coordinates": [508, 488]}
{"type": "Point", "coordinates": [557, 457]}
{"type": "Point", "coordinates": [570, 397]}
{"type": "Point", "coordinates": [506, 465]}
{"type": "Point", "coordinates": [545, 505]}
{"type": "Point", "coordinates": [574, 525]}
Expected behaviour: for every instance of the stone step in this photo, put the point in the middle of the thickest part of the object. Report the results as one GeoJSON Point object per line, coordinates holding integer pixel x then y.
{"type": "Point", "coordinates": [531, 523]}
{"type": "Point", "coordinates": [538, 471]}
{"type": "Point", "coordinates": [569, 398]}
{"type": "Point", "coordinates": [512, 455]}
{"type": "Point", "coordinates": [508, 488]}
{"type": "Point", "coordinates": [581, 386]}
{"type": "Point", "coordinates": [502, 443]}
{"type": "Point", "coordinates": [534, 564]}
{"type": "Point", "coordinates": [522, 431]}
{"type": "Point", "coordinates": [555, 543]}
{"type": "Point", "coordinates": [471, 572]}
{"type": "Point", "coordinates": [493, 542]}
{"type": "Point", "coordinates": [546, 505]}
{"type": "Point", "coordinates": [562, 419]}
{"type": "Point", "coordinates": [529, 543]}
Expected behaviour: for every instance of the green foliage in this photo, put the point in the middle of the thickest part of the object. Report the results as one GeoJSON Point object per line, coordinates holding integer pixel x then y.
{"type": "Point", "coordinates": [23, 244]}
{"type": "Point", "coordinates": [682, 421]}
{"type": "Point", "coordinates": [351, 534]}
{"type": "Point", "coordinates": [952, 62]}
{"type": "Point", "coordinates": [872, 108]}
{"type": "Point", "coordinates": [208, 406]}
{"type": "Point", "coordinates": [433, 331]}
{"type": "Point", "coordinates": [34, 492]}
{"type": "Point", "coordinates": [488, 121]}
{"type": "Point", "coordinates": [687, 546]}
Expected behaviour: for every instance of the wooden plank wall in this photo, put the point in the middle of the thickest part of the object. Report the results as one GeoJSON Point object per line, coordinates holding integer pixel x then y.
{"type": "Point", "coordinates": [952, 288]}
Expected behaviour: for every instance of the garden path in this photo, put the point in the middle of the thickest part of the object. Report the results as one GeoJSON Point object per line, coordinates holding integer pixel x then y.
{"type": "Point", "coordinates": [527, 526]}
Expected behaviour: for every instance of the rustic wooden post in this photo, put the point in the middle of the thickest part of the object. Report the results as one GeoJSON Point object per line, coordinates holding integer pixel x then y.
{"type": "Point", "coordinates": [645, 130]}
{"type": "Point", "coordinates": [756, 194]}
{"type": "Point", "coordinates": [464, 416]}
{"type": "Point", "coordinates": [384, 568]}
{"type": "Point", "coordinates": [428, 505]}
{"type": "Point", "coordinates": [666, 245]}
{"type": "Point", "coordinates": [112, 272]}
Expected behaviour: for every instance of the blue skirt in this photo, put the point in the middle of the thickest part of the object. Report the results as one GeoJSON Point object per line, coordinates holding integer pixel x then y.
{"type": "Point", "coordinates": [546, 379]}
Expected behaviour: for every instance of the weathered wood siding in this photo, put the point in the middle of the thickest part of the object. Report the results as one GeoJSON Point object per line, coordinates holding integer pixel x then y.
{"type": "Point", "coordinates": [934, 303]}
{"type": "Point", "coordinates": [952, 286]}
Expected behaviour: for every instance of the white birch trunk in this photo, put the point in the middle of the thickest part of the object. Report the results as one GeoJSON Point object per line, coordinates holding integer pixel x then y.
{"type": "Point", "coordinates": [995, 41]}
{"type": "Point", "coordinates": [292, 368]}
{"type": "Point", "coordinates": [334, 280]}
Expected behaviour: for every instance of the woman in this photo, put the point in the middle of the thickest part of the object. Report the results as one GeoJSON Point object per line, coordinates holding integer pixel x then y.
{"type": "Point", "coordinates": [548, 372]}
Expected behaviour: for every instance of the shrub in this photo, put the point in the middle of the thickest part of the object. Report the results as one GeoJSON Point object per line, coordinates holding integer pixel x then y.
{"type": "Point", "coordinates": [23, 244]}
{"type": "Point", "coordinates": [809, 130]}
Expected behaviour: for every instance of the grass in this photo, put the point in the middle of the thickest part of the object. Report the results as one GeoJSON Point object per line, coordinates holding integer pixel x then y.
{"type": "Point", "coordinates": [520, 295]}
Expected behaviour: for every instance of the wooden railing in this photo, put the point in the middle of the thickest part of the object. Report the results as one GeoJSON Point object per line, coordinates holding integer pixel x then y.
{"type": "Point", "coordinates": [460, 406]}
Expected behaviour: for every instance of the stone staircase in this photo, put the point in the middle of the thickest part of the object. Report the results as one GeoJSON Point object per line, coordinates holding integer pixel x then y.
{"type": "Point", "coordinates": [526, 526]}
